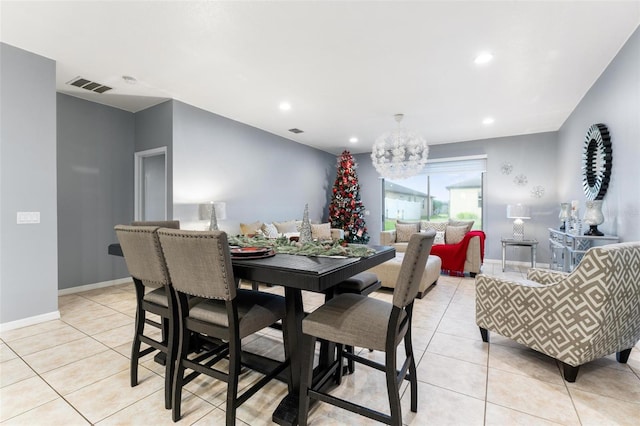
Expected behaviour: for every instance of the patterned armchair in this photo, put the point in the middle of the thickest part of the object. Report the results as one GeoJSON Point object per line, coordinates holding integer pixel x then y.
{"type": "Point", "coordinates": [575, 318]}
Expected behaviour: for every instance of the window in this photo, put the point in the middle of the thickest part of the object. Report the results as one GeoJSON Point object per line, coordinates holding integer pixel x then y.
{"type": "Point", "coordinates": [448, 189]}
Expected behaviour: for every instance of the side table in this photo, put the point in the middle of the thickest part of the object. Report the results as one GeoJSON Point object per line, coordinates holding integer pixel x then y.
{"type": "Point", "coordinates": [522, 243]}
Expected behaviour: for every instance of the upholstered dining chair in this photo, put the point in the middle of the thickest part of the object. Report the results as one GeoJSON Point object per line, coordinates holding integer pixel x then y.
{"type": "Point", "coordinates": [144, 259]}
{"type": "Point", "coordinates": [358, 320]}
{"type": "Point", "coordinates": [199, 264]}
{"type": "Point", "coordinates": [575, 318]}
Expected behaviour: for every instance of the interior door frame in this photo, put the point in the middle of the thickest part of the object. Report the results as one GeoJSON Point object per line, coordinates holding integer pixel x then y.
{"type": "Point", "coordinates": [139, 178]}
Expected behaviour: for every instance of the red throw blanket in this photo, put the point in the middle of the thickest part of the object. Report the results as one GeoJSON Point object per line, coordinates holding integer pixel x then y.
{"type": "Point", "coordinates": [454, 255]}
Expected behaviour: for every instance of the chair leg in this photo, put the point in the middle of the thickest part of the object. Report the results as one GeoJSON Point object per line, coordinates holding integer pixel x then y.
{"type": "Point", "coordinates": [393, 390]}
{"type": "Point", "coordinates": [139, 330]}
{"type": "Point", "coordinates": [413, 379]}
{"type": "Point", "coordinates": [306, 375]}
{"type": "Point", "coordinates": [485, 334]}
{"type": "Point", "coordinates": [570, 372]}
{"type": "Point", "coordinates": [339, 357]}
{"type": "Point", "coordinates": [351, 367]}
{"type": "Point", "coordinates": [178, 376]}
{"type": "Point", "coordinates": [623, 356]}
{"type": "Point", "coordinates": [232, 384]}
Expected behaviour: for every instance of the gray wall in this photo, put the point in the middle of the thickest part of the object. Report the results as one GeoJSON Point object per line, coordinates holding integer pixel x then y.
{"type": "Point", "coordinates": [28, 253]}
{"type": "Point", "coordinates": [95, 188]}
{"type": "Point", "coordinates": [534, 156]}
{"type": "Point", "coordinates": [260, 176]}
{"type": "Point", "coordinates": [614, 100]}
{"type": "Point", "coordinates": [154, 129]}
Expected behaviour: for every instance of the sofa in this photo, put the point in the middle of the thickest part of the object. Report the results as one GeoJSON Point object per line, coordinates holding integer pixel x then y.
{"type": "Point", "coordinates": [460, 249]}
{"type": "Point", "coordinates": [291, 228]}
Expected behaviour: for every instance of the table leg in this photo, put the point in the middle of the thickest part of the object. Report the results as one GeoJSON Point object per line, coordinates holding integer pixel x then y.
{"type": "Point", "coordinates": [504, 253]}
{"type": "Point", "coordinates": [533, 256]}
{"type": "Point", "coordinates": [287, 411]}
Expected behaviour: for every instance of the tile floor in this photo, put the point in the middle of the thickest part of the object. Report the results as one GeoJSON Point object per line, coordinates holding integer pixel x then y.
{"type": "Point", "coordinates": [75, 371]}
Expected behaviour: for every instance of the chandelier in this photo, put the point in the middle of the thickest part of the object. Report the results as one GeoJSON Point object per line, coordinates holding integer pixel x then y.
{"type": "Point", "coordinates": [400, 153]}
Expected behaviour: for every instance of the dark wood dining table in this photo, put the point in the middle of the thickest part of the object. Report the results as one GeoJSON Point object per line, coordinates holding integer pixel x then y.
{"type": "Point", "coordinates": [296, 273]}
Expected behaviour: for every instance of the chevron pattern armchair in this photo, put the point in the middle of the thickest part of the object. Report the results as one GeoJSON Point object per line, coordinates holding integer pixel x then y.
{"type": "Point", "coordinates": [575, 318]}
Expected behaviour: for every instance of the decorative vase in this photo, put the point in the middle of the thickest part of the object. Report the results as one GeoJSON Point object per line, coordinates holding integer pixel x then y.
{"type": "Point", "coordinates": [593, 217]}
{"type": "Point", "coordinates": [565, 214]}
{"type": "Point", "coordinates": [305, 228]}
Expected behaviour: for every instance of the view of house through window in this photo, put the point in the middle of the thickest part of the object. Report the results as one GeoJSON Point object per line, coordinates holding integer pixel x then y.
{"type": "Point", "coordinates": [447, 189]}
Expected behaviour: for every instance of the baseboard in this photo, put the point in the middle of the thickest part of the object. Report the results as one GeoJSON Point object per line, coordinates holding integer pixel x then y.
{"type": "Point", "coordinates": [24, 322]}
{"type": "Point", "coordinates": [517, 263]}
{"type": "Point", "coordinates": [93, 286]}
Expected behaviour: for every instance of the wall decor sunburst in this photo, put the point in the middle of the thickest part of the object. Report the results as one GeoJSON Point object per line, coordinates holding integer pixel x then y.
{"type": "Point", "coordinates": [520, 180]}
{"type": "Point", "coordinates": [537, 191]}
{"type": "Point", "coordinates": [597, 157]}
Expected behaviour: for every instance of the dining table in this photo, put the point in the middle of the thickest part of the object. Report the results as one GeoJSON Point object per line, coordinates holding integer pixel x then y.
{"type": "Point", "coordinates": [296, 273]}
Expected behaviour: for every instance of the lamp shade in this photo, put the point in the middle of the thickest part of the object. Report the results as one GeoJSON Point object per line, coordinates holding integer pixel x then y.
{"type": "Point", "coordinates": [518, 211]}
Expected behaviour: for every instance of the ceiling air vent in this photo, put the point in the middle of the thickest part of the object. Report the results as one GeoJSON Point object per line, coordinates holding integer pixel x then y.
{"type": "Point", "coordinates": [296, 131]}
{"type": "Point", "coordinates": [89, 85]}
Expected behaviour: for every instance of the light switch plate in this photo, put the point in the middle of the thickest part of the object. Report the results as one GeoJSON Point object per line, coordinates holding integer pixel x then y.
{"type": "Point", "coordinates": [28, 217]}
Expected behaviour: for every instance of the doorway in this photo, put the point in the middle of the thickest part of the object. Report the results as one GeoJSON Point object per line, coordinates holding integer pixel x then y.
{"type": "Point", "coordinates": [150, 184]}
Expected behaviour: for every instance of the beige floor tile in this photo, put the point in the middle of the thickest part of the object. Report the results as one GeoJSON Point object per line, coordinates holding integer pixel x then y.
{"type": "Point", "coordinates": [6, 353]}
{"type": "Point", "coordinates": [108, 297]}
{"type": "Point", "coordinates": [23, 396]}
{"type": "Point", "coordinates": [531, 396]}
{"type": "Point", "coordinates": [32, 330]}
{"type": "Point", "coordinates": [85, 311]}
{"type": "Point", "coordinates": [50, 339]}
{"type": "Point", "coordinates": [460, 328]}
{"type": "Point", "coordinates": [56, 412]}
{"type": "Point", "coordinates": [259, 409]}
{"type": "Point", "coordinates": [501, 416]}
{"type": "Point", "coordinates": [13, 371]}
{"type": "Point", "coordinates": [524, 361]}
{"type": "Point", "coordinates": [459, 376]}
{"type": "Point", "coordinates": [104, 323]}
{"type": "Point", "coordinates": [127, 307]}
{"type": "Point", "coordinates": [116, 336]}
{"type": "Point", "coordinates": [69, 299]}
{"type": "Point", "coordinates": [83, 373]}
{"type": "Point", "coordinates": [108, 396]}
{"type": "Point", "coordinates": [214, 418]}
{"type": "Point", "coordinates": [459, 348]}
{"type": "Point", "coordinates": [327, 415]}
{"type": "Point", "coordinates": [58, 356]}
{"type": "Point", "coordinates": [438, 406]}
{"type": "Point", "coordinates": [595, 410]}
{"type": "Point", "coordinates": [611, 382]}
{"type": "Point", "coordinates": [151, 411]}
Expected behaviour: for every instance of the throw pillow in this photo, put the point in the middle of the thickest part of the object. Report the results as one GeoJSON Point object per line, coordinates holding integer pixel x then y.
{"type": "Point", "coordinates": [321, 231]}
{"type": "Point", "coordinates": [250, 228]}
{"type": "Point", "coordinates": [467, 223]}
{"type": "Point", "coordinates": [439, 237]}
{"type": "Point", "coordinates": [454, 234]}
{"type": "Point", "coordinates": [436, 226]}
{"type": "Point", "coordinates": [404, 231]}
{"type": "Point", "coordinates": [269, 230]}
{"type": "Point", "coordinates": [285, 227]}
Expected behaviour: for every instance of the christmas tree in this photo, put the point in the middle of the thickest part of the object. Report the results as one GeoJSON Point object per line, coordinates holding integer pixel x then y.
{"type": "Point", "coordinates": [346, 210]}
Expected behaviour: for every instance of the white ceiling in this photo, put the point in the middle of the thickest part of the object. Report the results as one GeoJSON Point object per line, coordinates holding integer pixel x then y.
{"type": "Point", "coordinates": [346, 67]}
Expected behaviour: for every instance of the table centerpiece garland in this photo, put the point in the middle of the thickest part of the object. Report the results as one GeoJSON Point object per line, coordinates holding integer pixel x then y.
{"type": "Point", "coordinates": [313, 248]}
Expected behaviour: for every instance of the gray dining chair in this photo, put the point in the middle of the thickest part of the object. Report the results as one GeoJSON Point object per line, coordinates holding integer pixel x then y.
{"type": "Point", "coordinates": [199, 264]}
{"type": "Point", "coordinates": [358, 320]}
{"type": "Point", "coordinates": [146, 264]}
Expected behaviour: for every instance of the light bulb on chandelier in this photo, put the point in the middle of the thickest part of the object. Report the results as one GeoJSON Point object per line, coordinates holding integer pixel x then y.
{"type": "Point", "coordinates": [400, 153]}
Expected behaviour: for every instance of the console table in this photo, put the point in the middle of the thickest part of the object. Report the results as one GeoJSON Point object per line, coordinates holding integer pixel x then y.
{"type": "Point", "coordinates": [567, 249]}
{"type": "Point", "coordinates": [522, 243]}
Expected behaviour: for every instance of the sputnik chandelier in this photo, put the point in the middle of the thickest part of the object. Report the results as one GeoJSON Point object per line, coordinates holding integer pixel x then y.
{"type": "Point", "coordinates": [400, 153]}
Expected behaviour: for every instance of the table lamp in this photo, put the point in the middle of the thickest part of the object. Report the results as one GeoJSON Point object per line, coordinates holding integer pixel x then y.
{"type": "Point", "coordinates": [518, 212]}
{"type": "Point", "coordinates": [213, 211]}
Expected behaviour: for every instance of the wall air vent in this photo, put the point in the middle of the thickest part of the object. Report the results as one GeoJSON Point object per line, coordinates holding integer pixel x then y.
{"type": "Point", "coordinates": [92, 86]}
{"type": "Point", "coordinates": [296, 131]}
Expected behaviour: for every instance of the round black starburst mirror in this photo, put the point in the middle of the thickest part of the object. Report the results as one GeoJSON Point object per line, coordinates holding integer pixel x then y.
{"type": "Point", "coordinates": [597, 157]}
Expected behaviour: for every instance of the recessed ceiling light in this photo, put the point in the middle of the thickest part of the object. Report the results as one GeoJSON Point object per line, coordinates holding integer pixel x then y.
{"type": "Point", "coordinates": [487, 121]}
{"type": "Point", "coordinates": [483, 58]}
{"type": "Point", "coordinates": [285, 106]}
{"type": "Point", "coordinates": [353, 140]}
